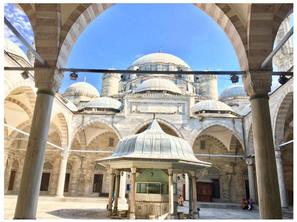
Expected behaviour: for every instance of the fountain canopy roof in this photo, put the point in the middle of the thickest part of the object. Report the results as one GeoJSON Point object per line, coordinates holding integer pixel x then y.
{"type": "Point", "coordinates": [154, 144]}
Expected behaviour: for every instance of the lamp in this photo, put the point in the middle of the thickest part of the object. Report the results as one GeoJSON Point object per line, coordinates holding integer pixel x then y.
{"type": "Point", "coordinates": [282, 79]}
{"type": "Point", "coordinates": [234, 78]}
{"type": "Point", "coordinates": [73, 76]}
{"type": "Point", "coordinates": [25, 74]}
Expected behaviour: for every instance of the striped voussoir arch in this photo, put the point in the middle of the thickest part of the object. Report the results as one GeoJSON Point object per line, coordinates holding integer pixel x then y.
{"type": "Point", "coordinates": [61, 123]}
{"type": "Point", "coordinates": [20, 104]}
{"type": "Point", "coordinates": [281, 116]}
{"type": "Point", "coordinates": [84, 14]}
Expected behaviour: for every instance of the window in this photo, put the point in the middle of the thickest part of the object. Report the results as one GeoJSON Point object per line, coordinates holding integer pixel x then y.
{"type": "Point", "coordinates": [110, 141]}
{"type": "Point", "coordinates": [154, 188]}
{"type": "Point", "coordinates": [141, 188]}
{"type": "Point", "coordinates": [202, 144]}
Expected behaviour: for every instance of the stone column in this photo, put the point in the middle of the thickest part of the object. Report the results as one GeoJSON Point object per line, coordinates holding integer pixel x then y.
{"type": "Point", "coordinates": [281, 179]}
{"type": "Point", "coordinates": [110, 194]}
{"type": "Point", "coordinates": [250, 162]}
{"type": "Point", "coordinates": [47, 82]}
{"type": "Point", "coordinates": [257, 85]}
{"type": "Point", "coordinates": [122, 198]}
{"type": "Point", "coordinates": [117, 190]}
{"type": "Point", "coordinates": [132, 193]}
{"type": "Point", "coordinates": [171, 194]}
{"type": "Point", "coordinates": [7, 173]}
{"type": "Point", "coordinates": [186, 186]}
{"type": "Point", "coordinates": [194, 193]}
{"type": "Point", "coordinates": [62, 174]}
{"type": "Point", "coordinates": [190, 197]}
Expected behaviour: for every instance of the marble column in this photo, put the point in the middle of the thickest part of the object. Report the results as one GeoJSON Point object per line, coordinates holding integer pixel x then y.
{"type": "Point", "coordinates": [123, 180]}
{"type": "Point", "coordinates": [257, 85]}
{"type": "Point", "coordinates": [281, 178]}
{"type": "Point", "coordinates": [186, 186]}
{"type": "Point", "coordinates": [117, 190]}
{"type": "Point", "coordinates": [62, 174]}
{"type": "Point", "coordinates": [132, 194]}
{"type": "Point", "coordinates": [46, 81]}
{"type": "Point", "coordinates": [171, 194]}
{"type": "Point", "coordinates": [110, 194]}
{"type": "Point", "coordinates": [7, 173]}
{"type": "Point", "coordinates": [194, 193]}
{"type": "Point", "coordinates": [190, 198]}
{"type": "Point", "coordinates": [250, 166]}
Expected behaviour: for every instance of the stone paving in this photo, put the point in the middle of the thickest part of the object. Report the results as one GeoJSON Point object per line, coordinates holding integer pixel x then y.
{"type": "Point", "coordinates": [95, 208]}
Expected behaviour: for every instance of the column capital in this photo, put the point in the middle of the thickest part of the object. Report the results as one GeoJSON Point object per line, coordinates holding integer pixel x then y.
{"type": "Point", "coordinates": [117, 172]}
{"type": "Point", "coordinates": [47, 80]}
{"type": "Point", "coordinates": [110, 171]}
{"type": "Point", "coordinates": [249, 161]}
{"type": "Point", "coordinates": [64, 154]}
{"type": "Point", "coordinates": [133, 170]}
{"type": "Point", "coordinates": [257, 84]}
{"type": "Point", "coordinates": [278, 153]}
{"type": "Point", "coordinates": [170, 172]}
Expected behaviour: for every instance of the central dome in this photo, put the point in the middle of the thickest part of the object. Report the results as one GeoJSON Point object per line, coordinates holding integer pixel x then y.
{"type": "Point", "coordinates": [158, 84]}
{"type": "Point", "coordinates": [161, 58]}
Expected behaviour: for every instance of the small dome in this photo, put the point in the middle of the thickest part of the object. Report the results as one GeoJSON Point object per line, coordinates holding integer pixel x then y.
{"type": "Point", "coordinates": [81, 89]}
{"type": "Point", "coordinates": [211, 106]}
{"type": "Point", "coordinates": [13, 48]}
{"type": "Point", "coordinates": [160, 58]}
{"type": "Point", "coordinates": [104, 103]}
{"type": "Point", "coordinates": [233, 91]}
{"type": "Point", "coordinates": [154, 143]}
{"type": "Point", "coordinates": [158, 84]}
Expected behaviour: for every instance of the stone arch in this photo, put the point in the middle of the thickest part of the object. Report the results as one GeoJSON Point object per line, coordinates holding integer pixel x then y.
{"type": "Point", "coordinates": [214, 124]}
{"type": "Point", "coordinates": [208, 137]}
{"type": "Point", "coordinates": [165, 125]}
{"type": "Point", "coordinates": [22, 127]}
{"type": "Point", "coordinates": [20, 104]}
{"type": "Point", "coordinates": [92, 122]}
{"type": "Point", "coordinates": [250, 143]}
{"type": "Point", "coordinates": [109, 134]}
{"type": "Point", "coordinates": [63, 127]}
{"type": "Point", "coordinates": [283, 110]}
{"type": "Point", "coordinates": [29, 10]}
{"type": "Point", "coordinates": [222, 14]}
{"type": "Point", "coordinates": [22, 86]}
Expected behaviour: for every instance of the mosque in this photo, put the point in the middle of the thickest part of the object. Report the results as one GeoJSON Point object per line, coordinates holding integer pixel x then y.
{"type": "Point", "coordinates": [88, 126]}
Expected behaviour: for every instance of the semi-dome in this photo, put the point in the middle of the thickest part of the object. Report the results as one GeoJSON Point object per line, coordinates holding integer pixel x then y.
{"type": "Point", "coordinates": [232, 92]}
{"type": "Point", "coordinates": [160, 57]}
{"type": "Point", "coordinates": [104, 103]}
{"type": "Point", "coordinates": [211, 106]}
{"type": "Point", "coordinates": [155, 144]}
{"type": "Point", "coordinates": [158, 84]}
{"type": "Point", "coordinates": [13, 48]}
{"type": "Point", "coordinates": [81, 89]}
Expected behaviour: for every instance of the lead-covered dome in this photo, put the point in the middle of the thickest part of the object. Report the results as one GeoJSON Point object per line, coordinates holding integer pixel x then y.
{"type": "Point", "coordinates": [160, 57]}
{"type": "Point", "coordinates": [158, 84]}
{"type": "Point", "coordinates": [81, 89]}
{"type": "Point", "coordinates": [154, 143]}
{"type": "Point", "coordinates": [233, 92]}
{"type": "Point", "coordinates": [212, 107]}
{"type": "Point", "coordinates": [103, 103]}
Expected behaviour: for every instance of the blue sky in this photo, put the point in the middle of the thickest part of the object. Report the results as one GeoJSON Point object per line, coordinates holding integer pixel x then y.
{"type": "Point", "coordinates": [125, 32]}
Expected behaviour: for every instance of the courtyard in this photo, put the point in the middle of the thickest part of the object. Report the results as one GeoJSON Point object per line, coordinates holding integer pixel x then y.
{"type": "Point", "coordinates": [50, 207]}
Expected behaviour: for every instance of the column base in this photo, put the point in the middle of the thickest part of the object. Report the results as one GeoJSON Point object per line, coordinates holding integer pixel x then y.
{"type": "Point", "coordinates": [109, 212]}
{"type": "Point", "coordinates": [132, 216]}
{"type": "Point", "coordinates": [195, 215]}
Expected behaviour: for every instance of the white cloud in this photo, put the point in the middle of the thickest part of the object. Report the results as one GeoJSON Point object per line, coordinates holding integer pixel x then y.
{"type": "Point", "coordinates": [21, 22]}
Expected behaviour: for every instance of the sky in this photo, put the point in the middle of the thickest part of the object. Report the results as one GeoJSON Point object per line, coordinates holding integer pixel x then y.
{"type": "Point", "coordinates": [126, 32]}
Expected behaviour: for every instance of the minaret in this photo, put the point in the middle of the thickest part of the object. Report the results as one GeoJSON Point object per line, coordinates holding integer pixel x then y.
{"type": "Point", "coordinates": [207, 86]}
{"type": "Point", "coordinates": [110, 84]}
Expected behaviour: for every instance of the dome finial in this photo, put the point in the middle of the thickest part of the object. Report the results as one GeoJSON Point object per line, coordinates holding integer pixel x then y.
{"type": "Point", "coordinates": [85, 78]}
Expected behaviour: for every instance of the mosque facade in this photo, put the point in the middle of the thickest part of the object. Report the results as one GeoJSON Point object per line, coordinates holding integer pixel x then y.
{"type": "Point", "coordinates": [86, 126]}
